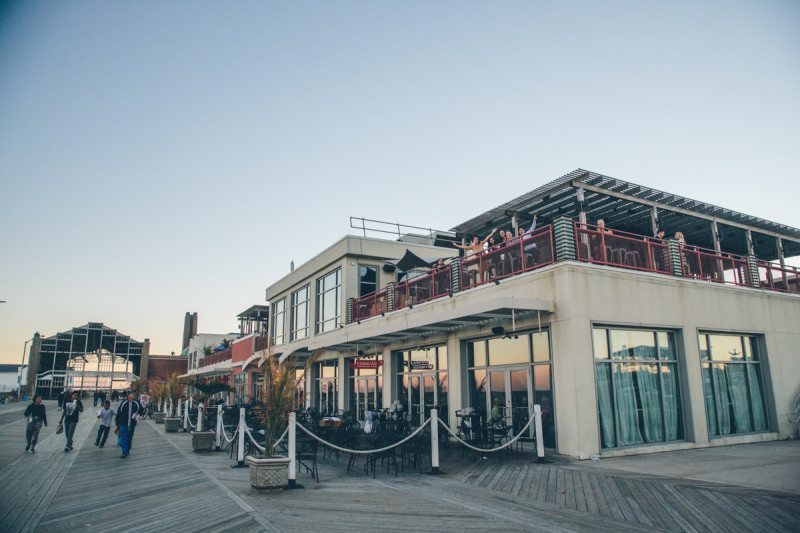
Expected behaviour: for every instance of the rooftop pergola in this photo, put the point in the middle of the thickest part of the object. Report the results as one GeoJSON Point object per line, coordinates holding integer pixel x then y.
{"type": "Point", "coordinates": [587, 196]}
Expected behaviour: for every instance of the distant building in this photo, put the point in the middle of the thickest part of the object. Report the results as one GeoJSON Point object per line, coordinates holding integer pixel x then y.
{"type": "Point", "coordinates": [9, 374]}
{"type": "Point", "coordinates": [189, 329]}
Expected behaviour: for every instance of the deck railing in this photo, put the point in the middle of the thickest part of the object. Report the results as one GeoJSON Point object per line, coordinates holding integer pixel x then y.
{"type": "Point", "coordinates": [510, 258]}
{"type": "Point", "coordinates": [429, 286]}
{"type": "Point", "coordinates": [710, 265]}
{"type": "Point", "coordinates": [773, 276]}
{"type": "Point", "coordinates": [215, 358]}
{"type": "Point", "coordinates": [369, 305]}
{"type": "Point", "coordinates": [621, 249]}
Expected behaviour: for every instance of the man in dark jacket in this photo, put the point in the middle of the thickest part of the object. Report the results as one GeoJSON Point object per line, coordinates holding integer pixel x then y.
{"type": "Point", "coordinates": [127, 413]}
{"type": "Point", "coordinates": [37, 417]}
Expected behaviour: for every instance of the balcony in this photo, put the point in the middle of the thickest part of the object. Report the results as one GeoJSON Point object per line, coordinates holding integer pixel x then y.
{"type": "Point", "coordinates": [217, 357]}
{"type": "Point", "coordinates": [521, 254]}
{"type": "Point", "coordinates": [637, 252]}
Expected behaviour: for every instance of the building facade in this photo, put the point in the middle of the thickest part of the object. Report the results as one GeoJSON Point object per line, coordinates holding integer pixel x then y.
{"type": "Point", "coordinates": [629, 340]}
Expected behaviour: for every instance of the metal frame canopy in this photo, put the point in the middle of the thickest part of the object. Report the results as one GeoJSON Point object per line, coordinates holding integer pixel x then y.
{"type": "Point", "coordinates": [58, 350]}
{"type": "Point", "coordinates": [635, 208]}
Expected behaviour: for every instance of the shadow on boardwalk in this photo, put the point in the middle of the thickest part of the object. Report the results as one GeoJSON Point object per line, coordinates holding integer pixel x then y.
{"type": "Point", "coordinates": [163, 486]}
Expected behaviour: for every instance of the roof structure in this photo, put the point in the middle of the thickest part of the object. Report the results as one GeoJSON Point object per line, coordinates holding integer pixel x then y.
{"type": "Point", "coordinates": [630, 207]}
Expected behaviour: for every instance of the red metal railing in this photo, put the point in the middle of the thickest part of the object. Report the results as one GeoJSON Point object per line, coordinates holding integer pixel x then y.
{"type": "Point", "coordinates": [429, 286]}
{"type": "Point", "coordinates": [216, 357]}
{"type": "Point", "coordinates": [510, 258]}
{"type": "Point", "coordinates": [710, 265]}
{"type": "Point", "coordinates": [620, 249]}
{"type": "Point", "coordinates": [372, 304]}
{"type": "Point", "coordinates": [773, 276]}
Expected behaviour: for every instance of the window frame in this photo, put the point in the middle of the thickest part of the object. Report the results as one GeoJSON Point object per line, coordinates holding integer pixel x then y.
{"type": "Point", "coordinates": [320, 322]}
{"type": "Point", "coordinates": [278, 339]}
{"type": "Point", "coordinates": [293, 305]}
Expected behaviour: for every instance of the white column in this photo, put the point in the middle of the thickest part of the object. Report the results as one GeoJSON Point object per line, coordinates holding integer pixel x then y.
{"type": "Point", "coordinates": [537, 413]}
{"type": "Point", "coordinates": [218, 436]}
{"type": "Point", "coordinates": [434, 441]}
{"type": "Point", "coordinates": [292, 445]}
{"type": "Point", "coordinates": [241, 434]}
{"type": "Point", "coordinates": [200, 411]}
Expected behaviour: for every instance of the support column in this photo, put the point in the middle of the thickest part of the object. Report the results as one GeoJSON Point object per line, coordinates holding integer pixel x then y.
{"type": "Point", "coordinates": [458, 387]}
{"type": "Point", "coordinates": [654, 220]}
{"type": "Point", "coordinates": [387, 372]}
{"type": "Point", "coordinates": [675, 260]}
{"type": "Point", "coordinates": [564, 238]}
{"type": "Point", "coordinates": [782, 259]}
{"type": "Point", "coordinates": [581, 196]}
{"type": "Point", "coordinates": [390, 295]}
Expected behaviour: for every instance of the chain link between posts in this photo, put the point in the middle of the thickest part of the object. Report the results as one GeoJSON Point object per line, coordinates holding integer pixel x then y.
{"type": "Point", "coordinates": [488, 450]}
{"type": "Point", "coordinates": [366, 452]}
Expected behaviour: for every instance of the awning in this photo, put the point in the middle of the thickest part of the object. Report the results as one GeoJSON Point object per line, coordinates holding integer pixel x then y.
{"type": "Point", "coordinates": [410, 261]}
{"type": "Point", "coordinates": [431, 318]}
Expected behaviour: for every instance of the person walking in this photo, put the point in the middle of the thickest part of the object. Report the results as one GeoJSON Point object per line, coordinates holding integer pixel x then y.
{"type": "Point", "coordinates": [127, 413]}
{"type": "Point", "coordinates": [37, 416]}
{"type": "Point", "coordinates": [106, 415]}
{"type": "Point", "coordinates": [72, 411]}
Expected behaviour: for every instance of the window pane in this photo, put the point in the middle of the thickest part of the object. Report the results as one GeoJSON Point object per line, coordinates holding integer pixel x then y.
{"type": "Point", "coordinates": [442, 355]}
{"type": "Point", "coordinates": [478, 391]}
{"type": "Point", "coordinates": [666, 348]}
{"type": "Point", "coordinates": [605, 405]}
{"type": "Point", "coordinates": [726, 348]}
{"type": "Point", "coordinates": [600, 339]}
{"type": "Point", "coordinates": [634, 344]}
{"type": "Point", "coordinates": [509, 351]}
{"type": "Point", "coordinates": [476, 353]}
{"type": "Point", "coordinates": [703, 341]}
{"type": "Point", "coordinates": [541, 346]}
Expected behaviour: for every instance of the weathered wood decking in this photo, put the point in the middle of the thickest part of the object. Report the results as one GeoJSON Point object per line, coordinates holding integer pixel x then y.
{"type": "Point", "coordinates": [163, 486]}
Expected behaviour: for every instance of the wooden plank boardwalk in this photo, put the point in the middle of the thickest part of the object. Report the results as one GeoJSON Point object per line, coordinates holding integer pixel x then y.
{"type": "Point", "coordinates": [164, 486]}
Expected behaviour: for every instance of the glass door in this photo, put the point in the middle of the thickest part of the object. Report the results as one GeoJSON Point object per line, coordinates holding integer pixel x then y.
{"type": "Point", "coordinates": [327, 396]}
{"type": "Point", "coordinates": [422, 396]}
{"type": "Point", "coordinates": [509, 396]}
{"type": "Point", "coordinates": [366, 395]}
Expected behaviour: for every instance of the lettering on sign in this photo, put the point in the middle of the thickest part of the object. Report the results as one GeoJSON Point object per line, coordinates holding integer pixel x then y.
{"type": "Point", "coordinates": [421, 365]}
{"type": "Point", "coordinates": [366, 363]}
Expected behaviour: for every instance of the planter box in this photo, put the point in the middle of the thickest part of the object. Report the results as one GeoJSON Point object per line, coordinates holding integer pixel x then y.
{"type": "Point", "coordinates": [203, 441]}
{"type": "Point", "coordinates": [268, 474]}
{"type": "Point", "coordinates": [172, 424]}
{"type": "Point", "coordinates": [159, 417]}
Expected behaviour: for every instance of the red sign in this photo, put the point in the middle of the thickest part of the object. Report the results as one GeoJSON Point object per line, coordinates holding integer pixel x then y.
{"type": "Point", "coordinates": [366, 363]}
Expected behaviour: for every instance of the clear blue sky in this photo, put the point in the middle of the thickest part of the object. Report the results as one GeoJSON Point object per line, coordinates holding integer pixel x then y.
{"type": "Point", "coordinates": [163, 157]}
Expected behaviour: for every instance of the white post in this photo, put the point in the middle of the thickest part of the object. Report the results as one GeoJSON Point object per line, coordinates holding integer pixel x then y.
{"type": "Point", "coordinates": [435, 441]}
{"type": "Point", "coordinates": [242, 434]}
{"type": "Point", "coordinates": [292, 439]}
{"type": "Point", "coordinates": [186, 405]}
{"type": "Point", "coordinates": [178, 410]}
{"type": "Point", "coordinates": [218, 438]}
{"type": "Point", "coordinates": [200, 416]}
{"type": "Point", "coordinates": [537, 414]}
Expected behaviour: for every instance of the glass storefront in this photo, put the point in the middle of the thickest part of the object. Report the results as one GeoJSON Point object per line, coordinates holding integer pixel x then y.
{"type": "Point", "coordinates": [422, 382]}
{"type": "Point", "coordinates": [366, 388]}
{"type": "Point", "coordinates": [734, 394]}
{"type": "Point", "coordinates": [638, 390]}
{"type": "Point", "coordinates": [507, 376]}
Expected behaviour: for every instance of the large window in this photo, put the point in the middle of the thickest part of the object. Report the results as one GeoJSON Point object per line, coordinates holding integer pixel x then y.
{"type": "Point", "coordinates": [278, 321]}
{"type": "Point", "coordinates": [299, 316]}
{"type": "Point", "coordinates": [638, 394]}
{"type": "Point", "coordinates": [366, 388]}
{"type": "Point", "coordinates": [367, 279]}
{"type": "Point", "coordinates": [422, 382]}
{"type": "Point", "coordinates": [508, 375]}
{"type": "Point", "coordinates": [734, 395]}
{"type": "Point", "coordinates": [329, 295]}
{"type": "Point", "coordinates": [326, 387]}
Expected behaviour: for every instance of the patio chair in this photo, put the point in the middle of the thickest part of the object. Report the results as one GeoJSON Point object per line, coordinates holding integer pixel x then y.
{"type": "Point", "coordinates": [389, 456]}
{"type": "Point", "coordinates": [306, 454]}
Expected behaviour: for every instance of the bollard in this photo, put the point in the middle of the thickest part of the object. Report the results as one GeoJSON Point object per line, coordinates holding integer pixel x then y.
{"type": "Point", "coordinates": [241, 435]}
{"type": "Point", "coordinates": [435, 443]}
{"type": "Point", "coordinates": [537, 413]}
{"type": "Point", "coordinates": [200, 412]}
{"type": "Point", "coordinates": [178, 410]}
{"type": "Point", "coordinates": [218, 437]}
{"type": "Point", "coordinates": [292, 447]}
{"type": "Point", "coordinates": [186, 406]}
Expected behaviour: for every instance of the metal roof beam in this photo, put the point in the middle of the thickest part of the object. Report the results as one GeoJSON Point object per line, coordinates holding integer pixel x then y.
{"type": "Point", "coordinates": [668, 207]}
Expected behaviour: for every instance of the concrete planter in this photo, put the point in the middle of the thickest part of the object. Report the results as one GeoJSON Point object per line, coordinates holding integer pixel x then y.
{"type": "Point", "coordinates": [268, 474]}
{"type": "Point", "coordinates": [172, 424]}
{"type": "Point", "coordinates": [159, 417]}
{"type": "Point", "coordinates": [203, 441]}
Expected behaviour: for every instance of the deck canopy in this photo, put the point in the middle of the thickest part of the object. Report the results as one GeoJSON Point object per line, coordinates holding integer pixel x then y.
{"type": "Point", "coordinates": [635, 208]}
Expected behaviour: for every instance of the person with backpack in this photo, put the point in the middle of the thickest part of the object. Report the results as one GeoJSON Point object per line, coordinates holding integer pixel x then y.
{"type": "Point", "coordinates": [72, 411]}
{"type": "Point", "coordinates": [36, 413]}
{"type": "Point", "coordinates": [127, 414]}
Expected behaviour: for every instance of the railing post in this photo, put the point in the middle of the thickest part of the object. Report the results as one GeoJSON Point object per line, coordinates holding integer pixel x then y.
{"type": "Point", "coordinates": [537, 414]}
{"type": "Point", "coordinates": [292, 454]}
{"type": "Point", "coordinates": [752, 271]}
{"type": "Point", "coordinates": [241, 434]}
{"type": "Point", "coordinates": [675, 259]}
{"type": "Point", "coordinates": [455, 275]}
{"type": "Point", "coordinates": [435, 442]}
{"type": "Point", "coordinates": [186, 406]}
{"type": "Point", "coordinates": [390, 303]}
{"type": "Point", "coordinates": [200, 417]}
{"type": "Point", "coordinates": [564, 237]}
{"type": "Point", "coordinates": [218, 436]}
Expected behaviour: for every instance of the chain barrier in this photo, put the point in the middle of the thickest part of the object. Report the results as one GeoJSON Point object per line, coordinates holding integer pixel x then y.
{"type": "Point", "coordinates": [365, 452]}
{"type": "Point", "coordinates": [488, 450]}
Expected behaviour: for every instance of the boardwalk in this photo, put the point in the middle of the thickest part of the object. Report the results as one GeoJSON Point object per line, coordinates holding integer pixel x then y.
{"type": "Point", "coordinates": [163, 486]}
